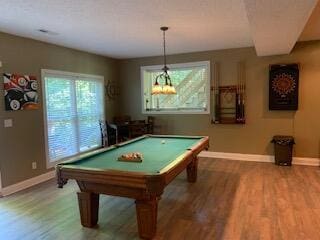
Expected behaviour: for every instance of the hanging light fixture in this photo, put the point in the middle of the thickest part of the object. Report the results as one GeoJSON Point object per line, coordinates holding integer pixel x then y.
{"type": "Point", "coordinates": [167, 88]}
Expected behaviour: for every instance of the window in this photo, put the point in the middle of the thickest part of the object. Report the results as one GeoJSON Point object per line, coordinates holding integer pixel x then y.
{"type": "Point", "coordinates": [74, 104]}
{"type": "Point", "coordinates": [192, 83]}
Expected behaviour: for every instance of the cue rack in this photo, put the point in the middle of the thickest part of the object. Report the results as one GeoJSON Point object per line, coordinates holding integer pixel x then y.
{"type": "Point", "coordinates": [229, 100]}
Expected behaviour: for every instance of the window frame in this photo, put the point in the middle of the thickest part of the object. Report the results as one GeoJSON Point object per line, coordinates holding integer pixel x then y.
{"type": "Point", "coordinates": [72, 75]}
{"type": "Point", "coordinates": [178, 66]}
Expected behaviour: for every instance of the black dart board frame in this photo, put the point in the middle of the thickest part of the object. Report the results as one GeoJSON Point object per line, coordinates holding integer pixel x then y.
{"type": "Point", "coordinates": [283, 87]}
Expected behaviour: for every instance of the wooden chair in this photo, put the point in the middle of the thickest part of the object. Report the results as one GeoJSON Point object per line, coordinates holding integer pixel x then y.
{"type": "Point", "coordinates": [121, 119]}
{"type": "Point", "coordinates": [121, 123]}
{"type": "Point", "coordinates": [112, 131]}
{"type": "Point", "coordinates": [137, 128]}
{"type": "Point", "coordinates": [104, 133]}
{"type": "Point", "coordinates": [109, 133]}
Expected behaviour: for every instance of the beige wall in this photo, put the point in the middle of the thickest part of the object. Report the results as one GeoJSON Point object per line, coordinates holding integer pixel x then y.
{"type": "Point", "coordinates": [253, 137]}
{"type": "Point", "coordinates": [24, 143]}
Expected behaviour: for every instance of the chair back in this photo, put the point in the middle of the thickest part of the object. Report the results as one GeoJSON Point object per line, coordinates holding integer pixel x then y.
{"type": "Point", "coordinates": [104, 133]}
{"type": "Point", "coordinates": [137, 122]}
{"type": "Point", "coordinates": [121, 119]}
{"type": "Point", "coordinates": [137, 128]}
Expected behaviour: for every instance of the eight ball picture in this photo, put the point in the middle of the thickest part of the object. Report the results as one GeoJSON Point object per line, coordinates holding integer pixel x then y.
{"type": "Point", "coordinates": [20, 92]}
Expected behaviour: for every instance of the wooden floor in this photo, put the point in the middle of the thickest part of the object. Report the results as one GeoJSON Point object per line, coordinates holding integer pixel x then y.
{"type": "Point", "coordinates": [231, 200]}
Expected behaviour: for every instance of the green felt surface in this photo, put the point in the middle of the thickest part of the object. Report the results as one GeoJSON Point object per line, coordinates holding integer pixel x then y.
{"type": "Point", "coordinates": [156, 155]}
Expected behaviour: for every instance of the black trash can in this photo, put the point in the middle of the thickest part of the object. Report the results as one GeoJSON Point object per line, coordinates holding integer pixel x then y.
{"type": "Point", "coordinates": [283, 149]}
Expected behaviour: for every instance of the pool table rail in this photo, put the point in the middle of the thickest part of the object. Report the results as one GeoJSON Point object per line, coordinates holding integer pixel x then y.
{"type": "Point", "coordinates": [183, 161]}
{"type": "Point", "coordinates": [130, 179]}
{"type": "Point", "coordinates": [136, 180]}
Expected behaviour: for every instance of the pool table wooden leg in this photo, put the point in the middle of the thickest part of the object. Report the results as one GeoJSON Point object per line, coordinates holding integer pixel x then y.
{"type": "Point", "coordinates": [89, 208]}
{"type": "Point", "coordinates": [147, 210]}
{"type": "Point", "coordinates": [192, 170]}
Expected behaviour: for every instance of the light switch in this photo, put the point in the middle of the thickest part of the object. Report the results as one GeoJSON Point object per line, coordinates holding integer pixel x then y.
{"type": "Point", "coordinates": [0, 64]}
{"type": "Point", "coordinates": [8, 123]}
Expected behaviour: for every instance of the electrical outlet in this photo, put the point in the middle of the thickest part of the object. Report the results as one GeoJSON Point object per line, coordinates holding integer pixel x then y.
{"type": "Point", "coordinates": [8, 123]}
{"type": "Point", "coordinates": [34, 165]}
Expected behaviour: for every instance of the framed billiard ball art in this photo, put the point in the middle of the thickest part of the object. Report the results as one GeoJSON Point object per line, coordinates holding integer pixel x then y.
{"type": "Point", "coordinates": [283, 87]}
{"type": "Point", "coordinates": [20, 92]}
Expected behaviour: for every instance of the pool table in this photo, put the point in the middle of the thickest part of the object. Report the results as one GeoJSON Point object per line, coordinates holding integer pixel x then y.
{"type": "Point", "coordinates": [100, 172]}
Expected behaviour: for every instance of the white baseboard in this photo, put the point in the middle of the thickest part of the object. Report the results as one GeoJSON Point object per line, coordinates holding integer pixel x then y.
{"type": "Point", "coordinates": [258, 158]}
{"type": "Point", "coordinates": [27, 183]}
{"type": "Point", "coordinates": [306, 161]}
{"type": "Point", "coordinates": [232, 156]}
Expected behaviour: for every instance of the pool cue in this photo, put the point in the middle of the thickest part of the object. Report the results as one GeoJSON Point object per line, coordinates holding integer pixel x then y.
{"type": "Point", "coordinates": [242, 93]}
{"type": "Point", "coordinates": [240, 117]}
{"type": "Point", "coordinates": [238, 100]}
{"type": "Point", "coordinates": [217, 94]}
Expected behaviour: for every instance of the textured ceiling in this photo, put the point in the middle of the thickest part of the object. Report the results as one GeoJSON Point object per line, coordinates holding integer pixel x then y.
{"type": "Point", "coordinates": [276, 24]}
{"type": "Point", "coordinates": [130, 28]}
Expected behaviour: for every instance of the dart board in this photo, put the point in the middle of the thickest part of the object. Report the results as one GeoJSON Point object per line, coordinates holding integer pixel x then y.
{"type": "Point", "coordinates": [283, 87]}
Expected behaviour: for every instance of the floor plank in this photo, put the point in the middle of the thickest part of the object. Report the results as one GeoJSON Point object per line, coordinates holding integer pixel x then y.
{"type": "Point", "coordinates": [231, 200]}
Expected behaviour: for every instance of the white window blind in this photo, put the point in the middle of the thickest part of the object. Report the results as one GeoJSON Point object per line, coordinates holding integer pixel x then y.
{"type": "Point", "coordinates": [74, 104]}
{"type": "Point", "coordinates": [192, 83]}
